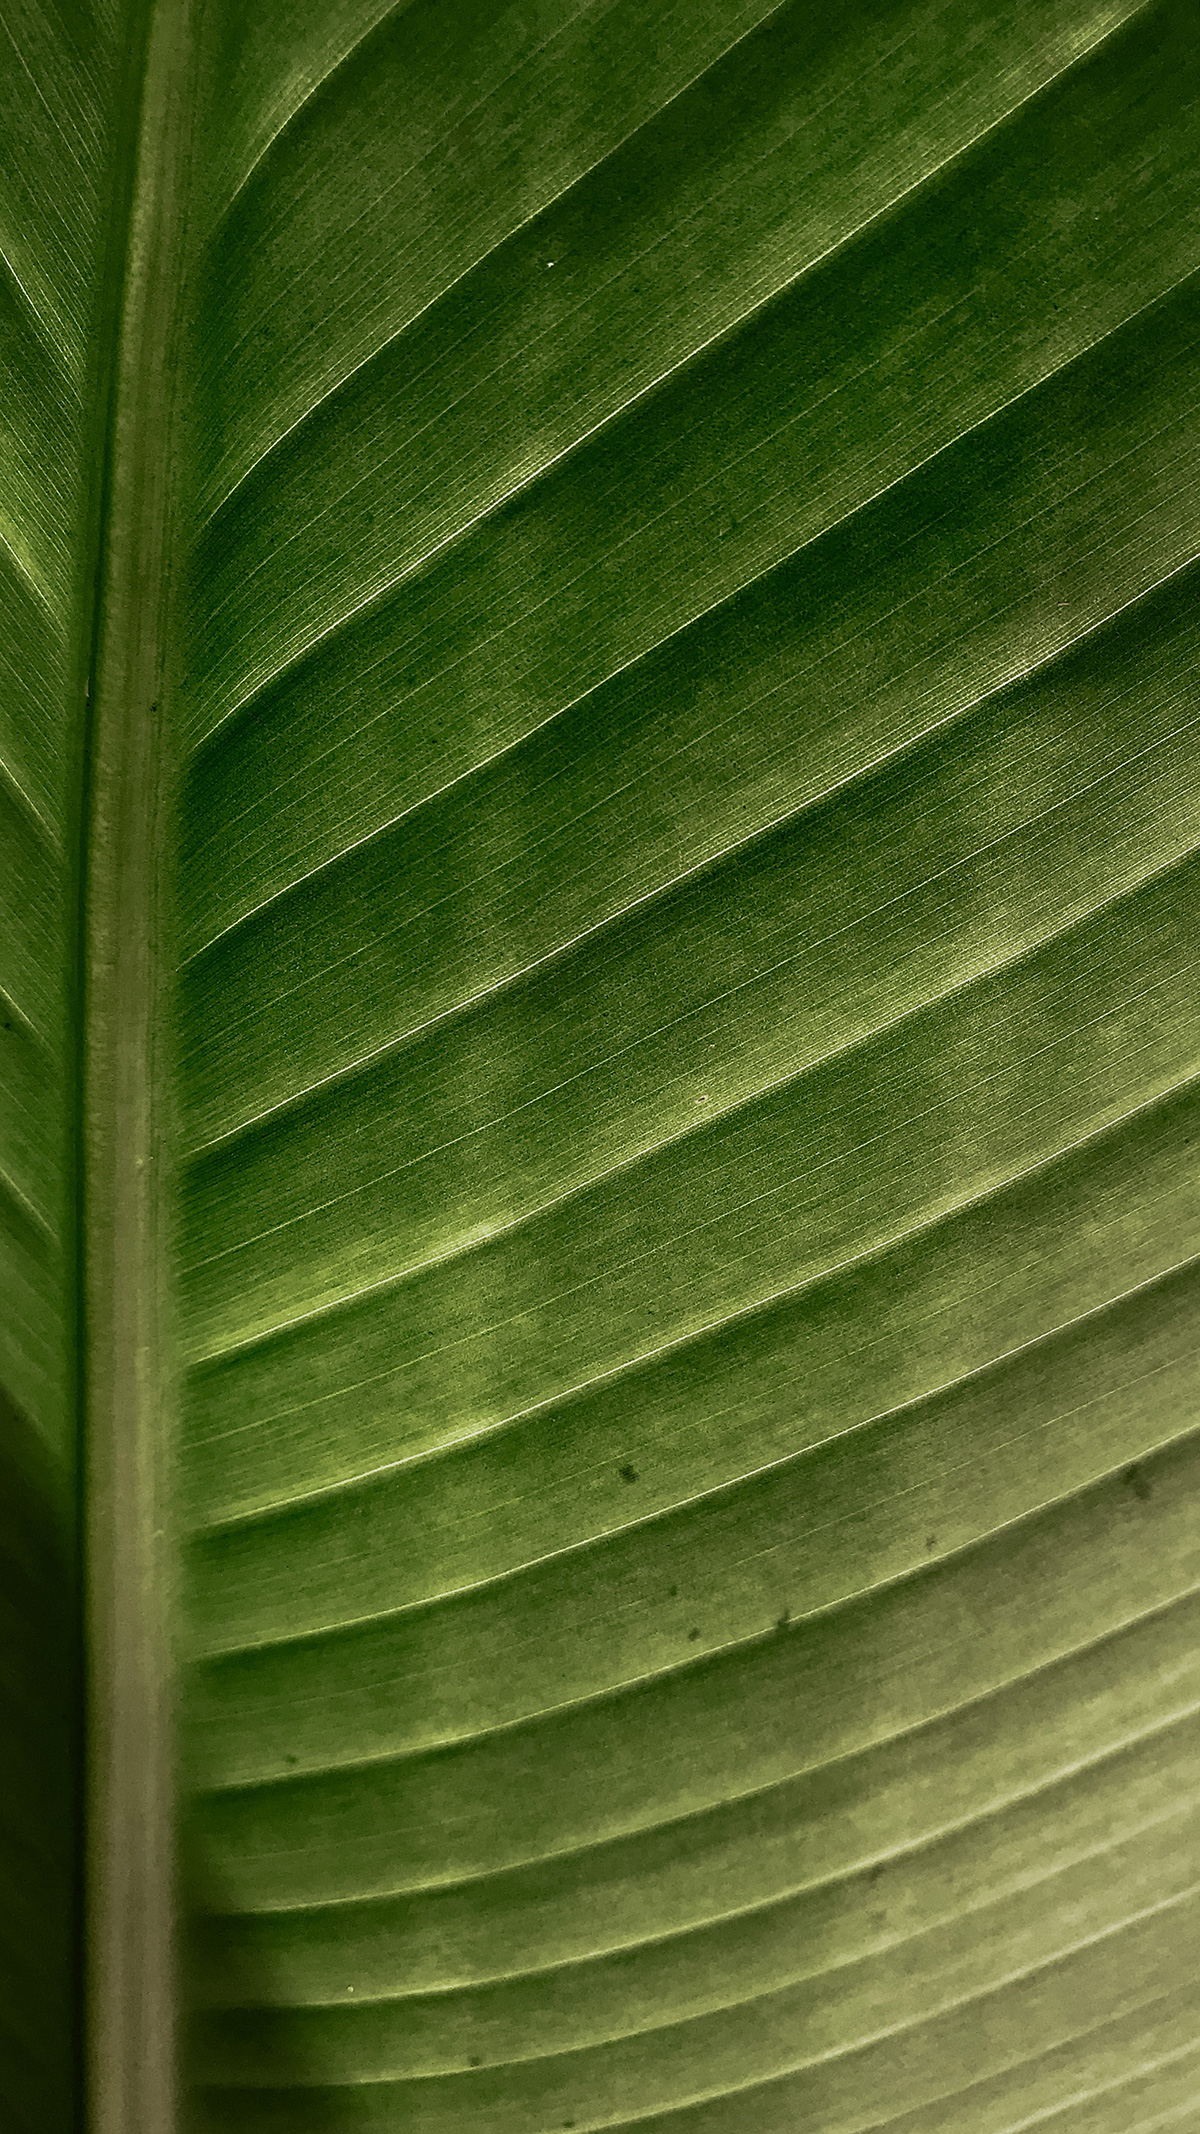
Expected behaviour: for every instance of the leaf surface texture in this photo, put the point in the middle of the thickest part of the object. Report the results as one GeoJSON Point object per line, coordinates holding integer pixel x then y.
{"type": "Point", "coordinates": [682, 711]}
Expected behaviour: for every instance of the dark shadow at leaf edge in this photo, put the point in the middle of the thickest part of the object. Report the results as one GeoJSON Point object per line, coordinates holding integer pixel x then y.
{"type": "Point", "coordinates": [40, 1789]}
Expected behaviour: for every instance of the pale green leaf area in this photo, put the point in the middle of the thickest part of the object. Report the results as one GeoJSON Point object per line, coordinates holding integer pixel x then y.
{"type": "Point", "coordinates": [600, 1066]}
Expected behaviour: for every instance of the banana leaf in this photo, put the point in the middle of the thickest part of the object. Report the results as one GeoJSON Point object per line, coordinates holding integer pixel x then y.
{"type": "Point", "coordinates": [599, 1173]}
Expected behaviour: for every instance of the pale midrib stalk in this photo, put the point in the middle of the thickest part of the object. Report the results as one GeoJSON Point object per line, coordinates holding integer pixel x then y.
{"type": "Point", "coordinates": [130, 1874]}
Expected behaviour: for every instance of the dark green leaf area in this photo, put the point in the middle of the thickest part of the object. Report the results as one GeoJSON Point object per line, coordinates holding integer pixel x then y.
{"type": "Point", "coordinates": [764, 928]}
{"type": "Point", "coordinates": [838, 366]}
{"type": "Point", "coordinates": [502, 108]}
{"type": "Point", "coordinates": [59, 65]}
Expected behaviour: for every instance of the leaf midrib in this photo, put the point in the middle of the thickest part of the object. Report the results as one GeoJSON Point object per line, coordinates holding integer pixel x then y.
{"type": "Point", "coordinates": [129, 2016]}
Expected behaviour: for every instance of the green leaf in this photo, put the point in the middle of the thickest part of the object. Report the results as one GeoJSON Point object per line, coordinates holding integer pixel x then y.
{"type": "Point", "coordinates": [599, 750]}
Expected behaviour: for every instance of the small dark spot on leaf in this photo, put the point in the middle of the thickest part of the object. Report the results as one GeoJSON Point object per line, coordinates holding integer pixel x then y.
{"type": "Point", "coordinates": [672, 1592]}
{"type": "Point", "coordinates": [874, 1873]}
{"type": "Point", "coordinates": [692, 1636]}
{"type": "Point", "coordinates": [628, 1473]}
{"type": "Point", "coordinates": [290, 1759]}
{"type": "Point", "coordinates": [782, 1621]}
{"type": "Point", "coordinates": [931, 1541]}
{"type": "Point", "coordinates": [475, 2060]}
{"type": "Point", "coordinates": [1137, 1482]}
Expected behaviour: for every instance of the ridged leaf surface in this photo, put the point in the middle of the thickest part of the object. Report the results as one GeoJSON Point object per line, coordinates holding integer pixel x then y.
{"type": "Point", "coordinates": [678, 902]}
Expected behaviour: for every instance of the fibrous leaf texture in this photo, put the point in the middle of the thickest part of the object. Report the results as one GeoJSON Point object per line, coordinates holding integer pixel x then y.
{"type": "Point", "coordinates": [599, 763]}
